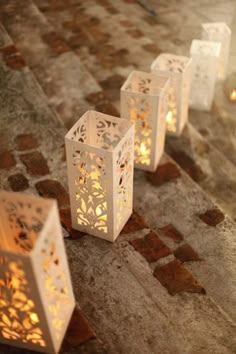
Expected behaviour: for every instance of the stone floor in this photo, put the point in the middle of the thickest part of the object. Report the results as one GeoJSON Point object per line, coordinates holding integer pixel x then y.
{"type": "Point", "coordinates": [168, 284]}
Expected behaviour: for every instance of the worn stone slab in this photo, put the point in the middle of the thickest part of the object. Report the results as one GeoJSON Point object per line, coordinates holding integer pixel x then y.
{"type": "Point", "coordinates": [111, 60]}
{"type": "Point", "coordinates": [60, 72]}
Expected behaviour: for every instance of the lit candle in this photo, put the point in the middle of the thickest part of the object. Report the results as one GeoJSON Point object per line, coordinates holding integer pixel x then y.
{"type": "Point", "coordinates": [144, 102]}
{"type": "Point", "coordinates": [99, 151]}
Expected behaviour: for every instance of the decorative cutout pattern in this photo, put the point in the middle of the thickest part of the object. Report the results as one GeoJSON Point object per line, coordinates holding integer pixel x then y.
{"type": "Point", "coordinates": [219, 32]}
{"type": "Point", "coordinates": [142, 96]}
{"type": "Point", "coordinates": [25, 222]}
{"type": "Point", "coordinates": [139, 113]}
{"type": "Point", "coordinates": [205, 60]}
{"type": "Point", "coordinates": [124, 180]}
{"type": "Point", "coordinates": [91, 193]}
{"type": "Point", "coordinates": [178, 69]}
{"type": "Point", "coordinates": [100, 174]}
{"type": "Point", "coordinates": [55, 281]}
{"type": "Point", "coordinates": [36, 299]}
{"type": "Point", "coordinates": [19, 319]}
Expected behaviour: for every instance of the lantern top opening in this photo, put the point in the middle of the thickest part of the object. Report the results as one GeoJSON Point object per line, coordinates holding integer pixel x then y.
{"type": "Point", "coordinates": [205, 48]}
{"type": "Point", "coordinates": [145, 83]}
{"type": "Point", "coordinates": [216, 28]}
{"type": "Point", "coordinates": [170, 62]}
{"type": "Point", "coordinates": [99, 130]}
{"type": "Point", "coordinates": [23, 219]}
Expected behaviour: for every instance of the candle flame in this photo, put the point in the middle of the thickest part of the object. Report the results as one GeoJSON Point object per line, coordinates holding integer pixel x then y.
{"type": "Point", "coordinates": [143, 149]}
{"type": "Point", "coordinates": [169, 117]}
{"type": "Point", "coordinates": [233, 95]}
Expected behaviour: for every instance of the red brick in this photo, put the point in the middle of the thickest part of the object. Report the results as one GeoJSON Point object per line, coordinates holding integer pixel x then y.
{"type": "Point", "coordinates": [171, 232]}
{"type": "Point", "coordinates": [96, 98]}
{"type": "Point", "coordinates": [151, 247]}
{"type": "Point", "coordinates": [176, 278]}
{"type": "Point", "coordinates": [56, 42]}
{"type": "Point", "coordinates": [12, 57]}
{"type": "Point", "coordinates": [212, 217]}
{"type": "Point", "coordinates": [49, 188]}
{"type": "Point", "coordinates": [188, 165]}
{"type": "Point", "coordinates": [16, 62]}
{"type": "Point", "coordinates": [152, 21]}
{"type": "Point", "coordinates": [135, 33]}
{"type": "Point", "coordinates": [163, 174]}
{"type": "Point", "coordinates": [114, 81]}
{"type": "Point", "coordinates": [107, 108]}
{"type": "Point", "coordinates": [35, 163]}
{"type": "Point", "coordinates": [7, 160]}
{"type": "Point", "coordinates": [26, 142]}
{"type": "Point", "coordinates": [78, 331]}
{"type": "Point", "coordinates": [112, 10]}
{"type": "Point", "coordinates": [65, 217]}
{"type": "Point", "coordinates": [152, 48]}
{"type": "Point", "coordinates": [186, 253]}
{"type": "Point", "coordinates": [126, 23]}
{"type": "Point", "coordinates": [135, 223]}
{"type": "Point", "coordinates": [18, 182]}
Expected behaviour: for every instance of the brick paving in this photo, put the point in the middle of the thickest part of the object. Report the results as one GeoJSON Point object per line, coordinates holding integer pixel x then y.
{"type": "Point", "coordinates": [138, 284]}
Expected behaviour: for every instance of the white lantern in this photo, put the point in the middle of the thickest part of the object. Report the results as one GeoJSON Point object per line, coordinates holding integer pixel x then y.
{"type": "Point", "coordinates": [144, 102]}
{"type": "Point", "coordinates": [36, 298]}
{"type": "Point", "coordinates": [99, 150]}
{"type": "Point", "coordinates": [178, 68]}
{"type": "Point", "coordinates": [205, 56]}
{"type": "Point", "coordinates": [219, 32]}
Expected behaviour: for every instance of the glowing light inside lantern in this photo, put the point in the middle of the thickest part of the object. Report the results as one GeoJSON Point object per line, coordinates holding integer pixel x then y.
{"type": "Point", "coordinates": [34, 318]}
{"type": "Point", "coordinates": [233, 95]}
{"type": "Point", "coordinates": [169, 117]}
{"type": "Point", "coordinates": [143, 149]}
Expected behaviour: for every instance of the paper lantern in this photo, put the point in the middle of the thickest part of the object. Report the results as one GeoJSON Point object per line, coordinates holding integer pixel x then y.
{"type": "Point", "coordinates": [36, 298]}
{"type": "Point", "coordinates": [144, 102]}
{"type": "Point", "coordinates": [99, 150]}
{"type": "Point", "coordinates": [219, 32]}
{"type": "Point", "coordinates": [178, 68]}
{"type": "Point", "coordinates": [205, 56]}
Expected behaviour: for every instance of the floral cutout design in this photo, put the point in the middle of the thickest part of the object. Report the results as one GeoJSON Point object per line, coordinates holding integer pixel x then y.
{"type": "Point", "coordinates": [25, 221]}
{"type": "Point", "coordinates": [139, 112]}
{"type": "Point", "coordinates": [91, 196]}
{"type": "Point", "coordinates": [19, 319]}
{"type": "Point", "coordinates": [124, 166]}
{"type": "Point", "coordinates": [54, 279]}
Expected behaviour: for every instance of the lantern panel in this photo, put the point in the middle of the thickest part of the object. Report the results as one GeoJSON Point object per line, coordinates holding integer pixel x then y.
{"type": "Point", "coordinates": [178, 69]}
{"type": "Point", "coordinates": [36, 298]}
{"type": "Point", "coordinates": [93, 169]}
{"type": "Point", "coordinates": [205, 56]}
{"type": "Point", "coordinates": [219, 32]}
{"type": "Point", "coordinates": [144, 102]}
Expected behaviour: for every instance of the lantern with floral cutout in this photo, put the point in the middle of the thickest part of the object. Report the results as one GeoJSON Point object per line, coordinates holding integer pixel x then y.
{"type": "Point", "coordinates": [219, 32]}
{"type": "Point", "coordinates": [99, 150]}
{"type": "Point", "coordinates": [205, 56]}
{"type": "Point", "coordinates": [178, 68]}
{"type": "Point", "coordinates": [36, 298]}
{"type": "Point", "coordinates": [144, 102]}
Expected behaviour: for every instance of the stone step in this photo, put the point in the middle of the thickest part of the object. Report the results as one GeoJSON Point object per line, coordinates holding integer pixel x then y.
{"type": "Point", "coordinates": [60, 72]}
{"type": "Point", "coordinates": [88, 30]}
{"type": "Point", "coordinates": [172, 29]}
{"type": "Point", "coordinates": [125, 288]}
